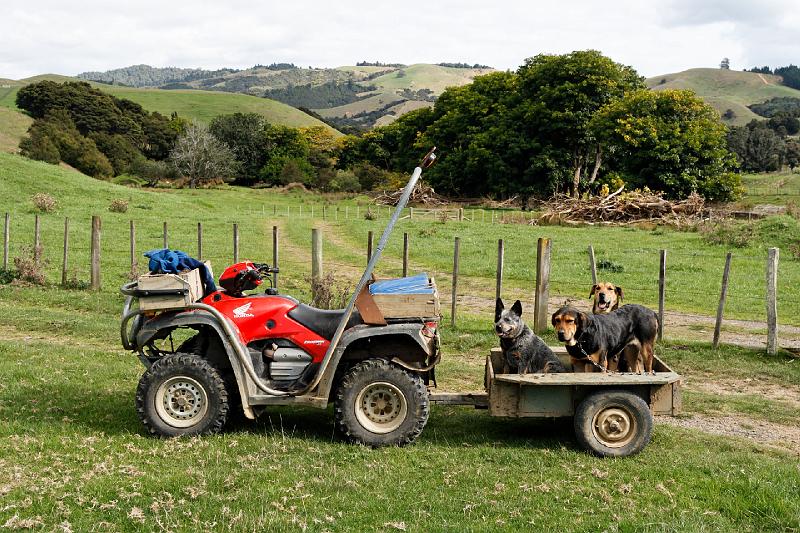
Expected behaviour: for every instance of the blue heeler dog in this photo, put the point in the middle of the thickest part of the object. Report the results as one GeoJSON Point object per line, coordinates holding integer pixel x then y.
{"type": "Point", "coordinates": [523, 350]}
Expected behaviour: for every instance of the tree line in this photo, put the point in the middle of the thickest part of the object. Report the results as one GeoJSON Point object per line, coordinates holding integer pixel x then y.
{"type": "Point", "coordinates": [570, 123]}
{"type": "Point", "coordinates": [789, 73]}
{"type": "Point", "coordinates": [567, 123]}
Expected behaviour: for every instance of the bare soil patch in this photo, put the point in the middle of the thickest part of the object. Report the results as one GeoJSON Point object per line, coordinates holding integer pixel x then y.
{"type": "Point", "coordinates": [777, 436]}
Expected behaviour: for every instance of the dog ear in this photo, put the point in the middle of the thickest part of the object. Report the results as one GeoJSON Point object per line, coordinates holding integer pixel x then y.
{"type": "Point", "coordinates": [618, 290]}
{"type": "Point", "coordinates": [594, 290]}
{"type": "Point", "coordinates": [517, 308]}
{"type": "Point", "coordinates": [553, 318]}
{"type": "Point", "coordinates": [498, 308]}
{"type": "Point", "coordinates": [581, 319]}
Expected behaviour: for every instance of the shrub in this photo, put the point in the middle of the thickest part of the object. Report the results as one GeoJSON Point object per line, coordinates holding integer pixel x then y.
{"type": "Point", "coordinates": [118, 205]}
{"type": "Point", "coordinates": [40, 147]}
{"type": "Point", "coordinates": [609, 266]}
{"type": "Point", "coordinates": [329, 292]}
{"type": "Point", "coordinates": [153, 171]}
{"type": "Point", "coordinates": [74, 283]}
{"type": "Point", "coordinates": [728, 232]}
{"type": "Point", "coordinates": [7, 275]}
{"type": "Point", "coordinates": [345, 181]}
{"type": "Point", "coordinates": [44, 202]}
{"type": "Point", "coordinates": [29, 267]}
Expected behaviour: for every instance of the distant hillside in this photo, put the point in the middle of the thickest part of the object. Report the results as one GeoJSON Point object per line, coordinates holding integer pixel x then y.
{"type": "Point", "coordinates": [333, 93]}
{"type": "Point", "coordinates": [147, 76]}
{"type": "Point", "coordinates": [726, 89]}
{"type": "Point", "coordinates": [194, 104]}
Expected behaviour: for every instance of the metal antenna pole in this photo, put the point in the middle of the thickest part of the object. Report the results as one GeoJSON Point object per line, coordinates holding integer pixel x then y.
{"type": "Point", "coordinates": [427, 161]}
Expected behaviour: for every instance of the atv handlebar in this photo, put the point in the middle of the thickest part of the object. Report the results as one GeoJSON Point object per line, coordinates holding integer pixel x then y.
{"type": "Point", "coordinates": [264, 268]}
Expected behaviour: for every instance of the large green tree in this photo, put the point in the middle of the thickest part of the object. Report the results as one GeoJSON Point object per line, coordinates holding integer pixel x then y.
{"type": "Point", "coordinates": [670, 141]}
{"type": "Point", "coordinates": [560, 95]}
{"type": "Point", "coordinates": [245, 134]}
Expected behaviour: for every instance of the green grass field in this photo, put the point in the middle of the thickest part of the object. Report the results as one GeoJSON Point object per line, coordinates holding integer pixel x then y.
{"type": "Point", "coordinates": [199, 105]}
{"type": "Point", "coordinates": [424, 76]}
{"type": "Point", "coordinates": [13, 126]}
{"type": "Point", "coordinates": [777, 188]}
{"type": "Point", "coordinates": [726, 89]}
{"type": "Point", "coordinates": [73, 454]}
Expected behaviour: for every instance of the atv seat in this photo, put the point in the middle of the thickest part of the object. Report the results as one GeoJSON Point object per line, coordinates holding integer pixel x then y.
{"type": "Point", "coordinates": [322, 321]}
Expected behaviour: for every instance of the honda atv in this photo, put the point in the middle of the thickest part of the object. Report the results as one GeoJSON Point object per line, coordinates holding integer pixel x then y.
{"type": "Point", "coordinates": [259, 349]}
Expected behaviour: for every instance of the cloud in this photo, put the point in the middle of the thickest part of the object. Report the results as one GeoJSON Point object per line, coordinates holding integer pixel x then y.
{"type": "Point", "coordinates": [68, 36]}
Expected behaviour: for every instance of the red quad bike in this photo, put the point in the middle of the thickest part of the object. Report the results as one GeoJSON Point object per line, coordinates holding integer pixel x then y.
{"type": "Point", "coordinates": [267, 349]}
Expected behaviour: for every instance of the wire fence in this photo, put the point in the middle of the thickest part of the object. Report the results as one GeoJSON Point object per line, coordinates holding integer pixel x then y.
{"type": "Point", "coordinates": [690, 287]}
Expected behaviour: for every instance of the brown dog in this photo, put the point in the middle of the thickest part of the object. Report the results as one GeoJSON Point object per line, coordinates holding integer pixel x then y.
{"type": "Point", "coordinates": [592, 341]}
{"type": "Point", "coordinates": [607, 297]}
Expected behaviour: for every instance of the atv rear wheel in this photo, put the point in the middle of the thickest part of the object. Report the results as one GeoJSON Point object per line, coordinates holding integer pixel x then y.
{"type": "Point", "coordinates": [182, 394]}
{"type": "Point", "coordinates": [381, 404]}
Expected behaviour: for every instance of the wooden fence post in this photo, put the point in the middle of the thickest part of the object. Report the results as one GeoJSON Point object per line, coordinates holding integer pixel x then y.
{"type": "Point", "coordinates": [316, 253]}
{"type": "Point", "coordinates": [592, 265]}
{"type": "Point", "coordinates": [200, 241]}
{"type": "Point", "coordinates": [274, 210]}
{"type": "Point", "coordinates": [772, 301]}
{"type": "Point", "coordinates": [540, 319]}
{"type": "Point", "coordinates": [37, 240]}
{"type": "Point", "coordinates": [461, 214]}
{"type": "Point", "coordinates": [410, 213]}
{"type": "Point", "coordinates": [6, 235]}
{"type": "Point", "coordinates": [500, 261]}
{"type": "Point", "coordinates": [95, 267]}
{"type": "Point", "coordinates": [369, 245]}
{"type": "Point", "coordinates": [235, 242]}
{"type": "Point", "coordinates": [275, 255]}
{"type": "Point", "coordinates": [405, 254]}
{"type": "Point", "coordinates": [166, 235]}
{"type": "Point", "coordinates": [132, 232]}
{"type": "Point", "coordinates": [662, 287]}
{"type": "Point", "coordinates": [454, 298]}
{"type": "Point", "coordinates": [722, 295]}
{"type": "Point", "coordinates": [64, 261]}
{"type": "Point", "coordinates": [324, 212]}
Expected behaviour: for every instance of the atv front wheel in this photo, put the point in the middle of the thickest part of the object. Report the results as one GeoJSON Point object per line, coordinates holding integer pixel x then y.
{"type": "Point", "coordinates": [381, 404]}
{"type": "Point", "coordinates": [182, 394]}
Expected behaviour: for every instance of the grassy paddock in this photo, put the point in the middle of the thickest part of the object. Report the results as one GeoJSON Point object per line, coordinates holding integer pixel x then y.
{"type": "Point", "coordinates": [694, 268]}
{"type": "Point", "coordinates": [73, 454]}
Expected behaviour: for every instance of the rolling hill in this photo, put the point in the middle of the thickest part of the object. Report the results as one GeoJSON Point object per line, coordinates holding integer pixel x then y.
{"type": "Point", "coordinates": [348, 96]}
{"type": "Point", "coordinates": [199, 105]}
{"type": "Point", "coordinates": [726, 89]}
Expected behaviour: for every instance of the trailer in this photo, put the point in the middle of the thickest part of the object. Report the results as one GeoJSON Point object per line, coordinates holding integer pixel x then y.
{"type": "Point", "coordinates": [612, 412]}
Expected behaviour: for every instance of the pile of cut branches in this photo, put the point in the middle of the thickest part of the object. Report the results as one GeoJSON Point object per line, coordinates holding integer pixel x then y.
{"type": "Point", "coordinates": [421, 195]}
{"type": "Point", "coordinates": [624, 208]}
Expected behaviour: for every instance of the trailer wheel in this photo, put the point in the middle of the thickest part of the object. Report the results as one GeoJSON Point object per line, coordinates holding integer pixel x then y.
{"type": "Point", "coordinates": [613, 423]}
{"type": "Point", "coordinates": [380, 404]}
{"type": "Point", "coordinates": [182, 394]}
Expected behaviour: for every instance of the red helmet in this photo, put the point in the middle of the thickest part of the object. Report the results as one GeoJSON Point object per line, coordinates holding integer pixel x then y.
{"type": "Point", "coordinates": [240, 277]}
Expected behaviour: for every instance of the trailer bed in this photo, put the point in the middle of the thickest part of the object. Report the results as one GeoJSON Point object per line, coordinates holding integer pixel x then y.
{"type": "Point", "coordinates": [557, 395]}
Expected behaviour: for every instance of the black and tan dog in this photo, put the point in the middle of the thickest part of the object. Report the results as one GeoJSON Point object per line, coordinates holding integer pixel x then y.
{"type": "Point", "coordinates": [523, 350]}
{"type": "Point", "coordinates": [594, 340]}
{"type": "Point", "coordinates": [607, 297]}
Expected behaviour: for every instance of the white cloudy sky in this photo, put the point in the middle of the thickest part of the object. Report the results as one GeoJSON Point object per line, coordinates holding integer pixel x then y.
{"type": "Point", "coordinates": [654, 36]}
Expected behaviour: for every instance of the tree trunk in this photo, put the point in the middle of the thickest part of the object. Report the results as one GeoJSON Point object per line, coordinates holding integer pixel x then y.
{"type": "Point", "coordinates": [598, 159]}
{"type": "Point", "coordinates": [576, 177]}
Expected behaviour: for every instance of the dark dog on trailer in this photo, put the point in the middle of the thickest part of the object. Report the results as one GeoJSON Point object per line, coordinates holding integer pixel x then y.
{"type": "Point", "coordinates": [594, 340]}
{"type": "Point", "coordinates": [524, 351]}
